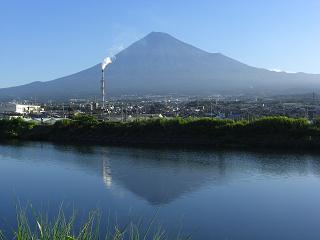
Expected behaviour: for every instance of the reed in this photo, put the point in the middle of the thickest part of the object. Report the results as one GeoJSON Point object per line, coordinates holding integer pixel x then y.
{"type": "Point", "coordinates": [38, 226]}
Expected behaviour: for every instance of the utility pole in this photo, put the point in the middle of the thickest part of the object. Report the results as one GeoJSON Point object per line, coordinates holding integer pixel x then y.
{"type": "Point", "coordinates": [211, 108]}
{"type": "Point", "coordinates": [121, 111]}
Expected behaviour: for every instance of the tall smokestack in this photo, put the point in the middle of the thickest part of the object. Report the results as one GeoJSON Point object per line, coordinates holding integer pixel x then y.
{"type": "Point", "coordinates": [103, 90]}
{"type": "Point", "coordinates": [104, 64]}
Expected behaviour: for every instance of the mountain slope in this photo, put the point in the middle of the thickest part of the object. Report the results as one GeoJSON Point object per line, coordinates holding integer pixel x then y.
{"type": "Point", "coordinates": [161, 64]}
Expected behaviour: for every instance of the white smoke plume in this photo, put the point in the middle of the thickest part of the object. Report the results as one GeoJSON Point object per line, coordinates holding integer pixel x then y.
{"type": "Point", "coordinates": [115, 49]}
{"type": "Point", "coordinates": [106, 62]}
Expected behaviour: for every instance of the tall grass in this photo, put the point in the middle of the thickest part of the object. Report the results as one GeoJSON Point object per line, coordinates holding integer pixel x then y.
{"type": "Point", "coordinates": [39, 227]}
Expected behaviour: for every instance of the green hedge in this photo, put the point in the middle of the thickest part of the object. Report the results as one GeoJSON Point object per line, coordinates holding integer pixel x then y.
{"type": "Point", "coordinates": [88, 128]}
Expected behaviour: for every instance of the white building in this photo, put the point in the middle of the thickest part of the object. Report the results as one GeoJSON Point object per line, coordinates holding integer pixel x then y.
{"type": "Point", "coordinates": [19, 108]}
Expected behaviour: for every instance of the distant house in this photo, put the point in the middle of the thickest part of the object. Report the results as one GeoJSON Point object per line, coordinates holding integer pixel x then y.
{"type": "Point", "coordinates": [19, 108]}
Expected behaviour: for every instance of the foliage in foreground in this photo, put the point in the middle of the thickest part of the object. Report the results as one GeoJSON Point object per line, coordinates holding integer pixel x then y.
{"type": "Point", "coordinates": [39, 227]}
{"type": "Point", "coordinates": [18, 128]}
{"type": "Point", "coordinates": [277, 131]}
{"type": "Point", "coordinates": [14, 127]}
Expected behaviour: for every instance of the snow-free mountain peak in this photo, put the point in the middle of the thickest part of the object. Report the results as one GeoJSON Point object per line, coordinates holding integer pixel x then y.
{"type": "Point", "coordinates": [162, 64]}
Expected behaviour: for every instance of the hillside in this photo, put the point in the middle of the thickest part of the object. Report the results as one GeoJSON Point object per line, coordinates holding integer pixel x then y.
{"type": "Point", "coordinates": [162, 64]}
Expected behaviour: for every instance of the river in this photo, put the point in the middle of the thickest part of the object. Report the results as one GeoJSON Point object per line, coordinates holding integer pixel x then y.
{"type": "Point", "coordinates": [208, 194]}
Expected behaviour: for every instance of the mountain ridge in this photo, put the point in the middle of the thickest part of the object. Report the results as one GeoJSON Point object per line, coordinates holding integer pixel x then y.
{"type": "Point", "coordinates": [162, 64]}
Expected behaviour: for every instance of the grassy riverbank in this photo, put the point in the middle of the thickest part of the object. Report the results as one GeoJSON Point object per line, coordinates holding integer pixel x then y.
{"type": "Point", "coordinates": [267, 132]}
{"type": "Point", "coordinates": [34, 226]}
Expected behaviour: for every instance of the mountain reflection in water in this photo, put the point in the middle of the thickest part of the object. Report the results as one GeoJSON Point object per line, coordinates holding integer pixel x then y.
{"type": "Point", "coordinates": [258, 195]}
{"type": "Point", "coordinates": [160, 176]}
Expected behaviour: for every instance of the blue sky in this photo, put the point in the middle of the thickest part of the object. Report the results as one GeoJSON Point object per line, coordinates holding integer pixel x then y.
{"type": "Point", "coordinates": [41, 40]}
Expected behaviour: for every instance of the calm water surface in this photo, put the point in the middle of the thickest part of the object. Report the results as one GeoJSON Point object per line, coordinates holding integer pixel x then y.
{"type": "Point", "coordinates": [210, 195]}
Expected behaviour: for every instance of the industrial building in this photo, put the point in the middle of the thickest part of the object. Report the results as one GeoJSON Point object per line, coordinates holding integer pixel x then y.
{"type": "Point", "coordinates": [19, 108]}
